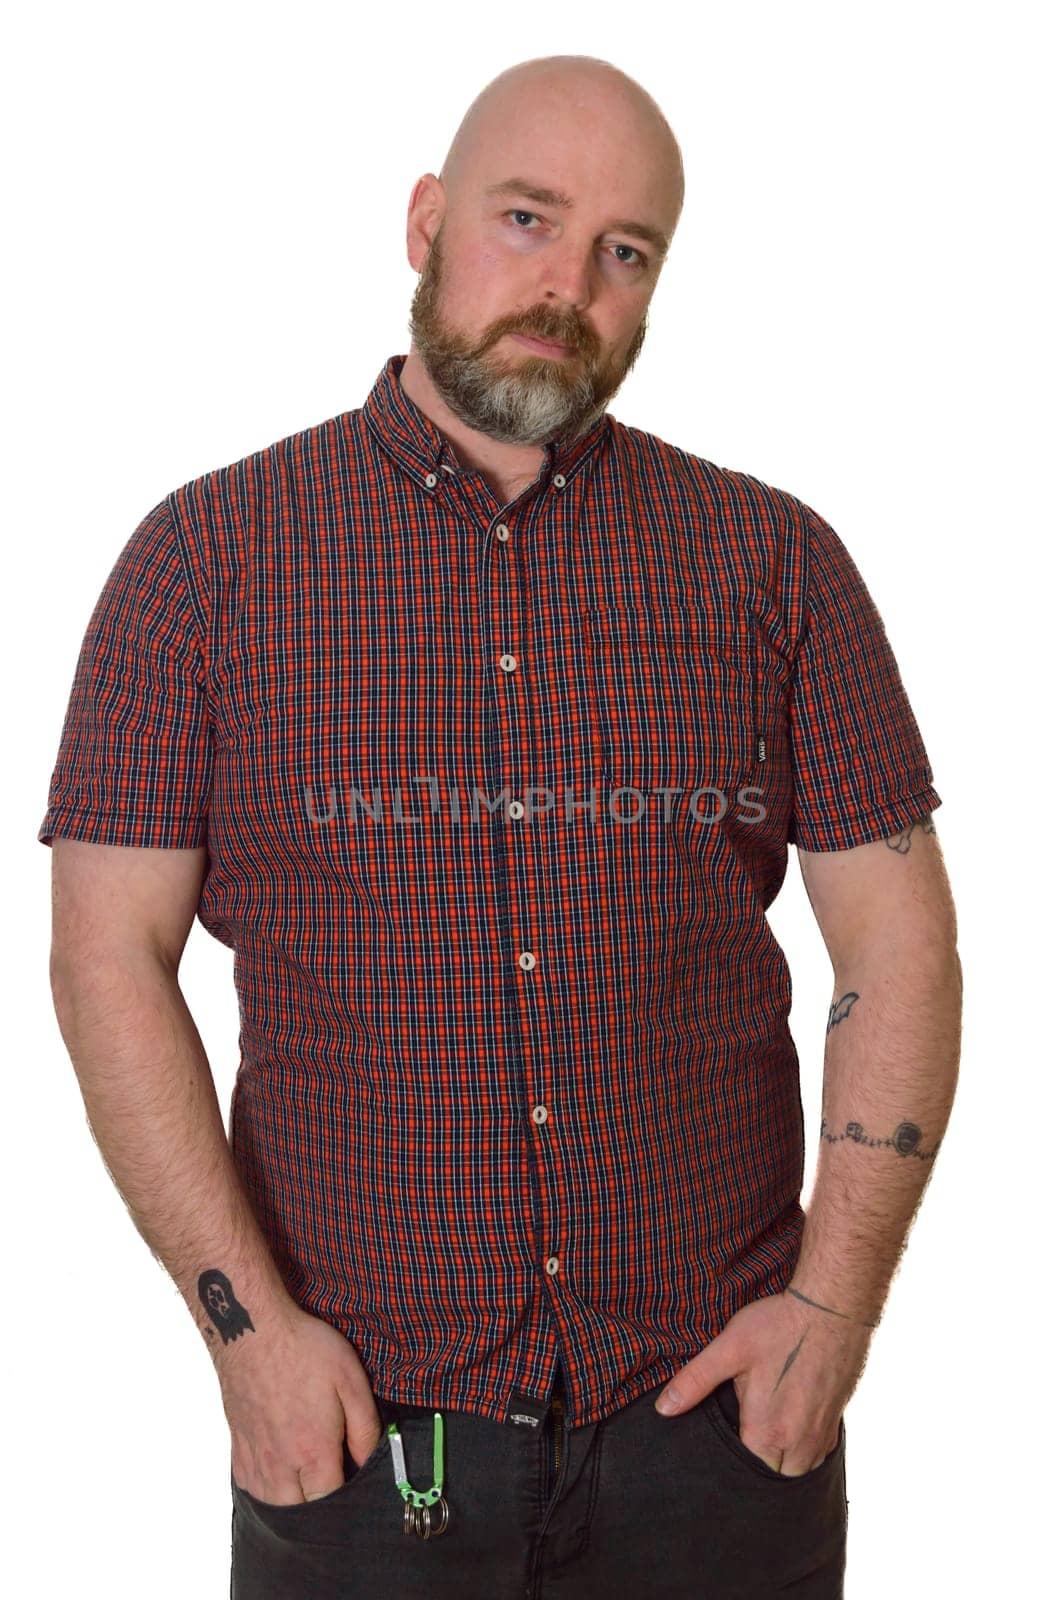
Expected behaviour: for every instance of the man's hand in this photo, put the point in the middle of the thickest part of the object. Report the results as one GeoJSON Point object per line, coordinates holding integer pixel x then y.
{"type": "Point", "coordinates": [291, 1395]}
{"type": "Point", "coordinates": [794, 1367]}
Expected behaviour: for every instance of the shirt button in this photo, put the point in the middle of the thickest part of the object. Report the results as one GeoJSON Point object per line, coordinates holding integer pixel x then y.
{"type": "Point", "coordinates": [508, 663]}
{"type": "Point", "coordinates": [516, 808]}
{"type": "Point", "coordinates": [502, 531]}
{"type": "Point", "coordinates": [539, 1114]}
{"type": "Point", "coordinates": [526, 960]}
{"type": "Point", "coordinates": [559, 480]}
{"type": "Point", "coordinates": [431, 480]}
{"type": "Point", "coordinates": [552, 1265]}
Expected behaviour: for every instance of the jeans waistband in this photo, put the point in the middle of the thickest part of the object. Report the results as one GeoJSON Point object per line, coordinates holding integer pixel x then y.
{"type": "Point", "coordinates": [396, 1410]}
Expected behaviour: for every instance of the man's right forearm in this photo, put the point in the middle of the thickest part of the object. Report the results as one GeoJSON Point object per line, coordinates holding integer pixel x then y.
{"type": "Point", "coordinates": [154, 1113]}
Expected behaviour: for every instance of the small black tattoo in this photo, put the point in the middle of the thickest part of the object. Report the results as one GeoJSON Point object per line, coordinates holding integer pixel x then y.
{"type": "Point", "coordinates": [819, 1307]}
{"type": "Point", "coordinates": [841, 1009]}
{"type": "Point", "coordinates": [790, 1360]}
{"type": "Point", "coordinates": [902, 842]}
{"type": "Point", "coordinates": [905, 1139]}
{"type": "Point", "coordinates": [223, 1308]}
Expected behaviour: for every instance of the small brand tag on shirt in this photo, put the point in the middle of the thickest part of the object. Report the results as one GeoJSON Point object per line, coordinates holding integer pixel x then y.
{"type": "Point", "coordinates": [761, 747]}
{"type": "Point", "coordinates": [524, 1412]}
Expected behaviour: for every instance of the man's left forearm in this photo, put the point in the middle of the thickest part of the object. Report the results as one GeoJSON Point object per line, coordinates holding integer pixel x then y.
{"type": "Point", "coordinates": [891, 1064]}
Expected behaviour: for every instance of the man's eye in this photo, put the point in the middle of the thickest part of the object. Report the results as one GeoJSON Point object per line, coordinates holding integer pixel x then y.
{"type": "Point", "coordinates": [637, 257]}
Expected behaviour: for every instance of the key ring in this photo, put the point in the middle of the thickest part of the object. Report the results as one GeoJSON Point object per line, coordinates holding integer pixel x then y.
{"type": "Point", "coordinates": [417, 1513]}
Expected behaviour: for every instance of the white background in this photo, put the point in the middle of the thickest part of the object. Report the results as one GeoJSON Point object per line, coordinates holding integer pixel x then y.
{"type": "Point", "coordinates": [206, 253]}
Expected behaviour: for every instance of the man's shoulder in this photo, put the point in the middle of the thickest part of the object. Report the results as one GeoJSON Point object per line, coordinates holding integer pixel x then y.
{"type": "Point", "coordinates": [293, 454]}
{"type": "Point", "coordinates": [726, 490]}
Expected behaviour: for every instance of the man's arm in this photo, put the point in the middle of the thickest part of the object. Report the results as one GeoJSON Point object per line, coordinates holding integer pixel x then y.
{"type": "Point", "coordinates": [120, 920]}
{"type": "Point", "coordinates": [293, 1388]}
{"type": "Point", "coordinates": [891, 1061]}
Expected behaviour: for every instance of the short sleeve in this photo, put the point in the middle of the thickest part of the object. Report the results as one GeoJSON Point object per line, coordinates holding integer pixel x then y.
{"type": "Point", "coordinates": [860, 769]}
{"type": "Point", "coordinates": [135, 754]}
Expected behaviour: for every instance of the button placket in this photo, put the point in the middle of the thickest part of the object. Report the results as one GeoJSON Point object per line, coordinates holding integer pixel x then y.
{"type": "Point", "coordinates": [527, 960]}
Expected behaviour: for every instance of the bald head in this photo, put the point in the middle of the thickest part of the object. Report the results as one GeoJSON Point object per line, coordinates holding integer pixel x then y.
{"type": "Point", "coordinates": [569, 105]}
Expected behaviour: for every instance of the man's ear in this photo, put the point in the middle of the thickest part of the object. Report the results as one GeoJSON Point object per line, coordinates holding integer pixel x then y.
{"type": "Point", "coordinates": [424, 214]}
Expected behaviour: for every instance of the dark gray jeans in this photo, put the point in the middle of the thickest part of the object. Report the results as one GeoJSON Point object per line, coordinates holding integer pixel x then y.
{"type": "Point", "coordinates": [643, 1506]}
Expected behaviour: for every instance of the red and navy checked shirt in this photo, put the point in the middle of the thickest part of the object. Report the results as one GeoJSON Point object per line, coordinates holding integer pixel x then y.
{"type": "Point", "coordinates": [495, 799]}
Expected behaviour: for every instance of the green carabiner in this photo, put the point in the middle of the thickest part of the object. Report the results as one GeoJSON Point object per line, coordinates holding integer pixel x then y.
{"type": "Point", "coordinates": [422, 1497]}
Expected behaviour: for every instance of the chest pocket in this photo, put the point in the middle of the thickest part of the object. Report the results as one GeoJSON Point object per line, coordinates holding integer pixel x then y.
{"type": "Point", "coordinates": [675, 698]}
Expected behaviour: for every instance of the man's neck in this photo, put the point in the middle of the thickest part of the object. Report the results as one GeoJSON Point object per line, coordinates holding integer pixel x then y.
{"type": "Point", "coordinates": [508, 468]}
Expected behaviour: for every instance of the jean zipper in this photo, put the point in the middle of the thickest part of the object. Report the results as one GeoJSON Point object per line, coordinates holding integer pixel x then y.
{"type": "Point", "coordinates": [557, 1414]}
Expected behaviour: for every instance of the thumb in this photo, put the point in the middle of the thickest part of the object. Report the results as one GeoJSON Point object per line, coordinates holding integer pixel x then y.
{"type": "Point", "coordinates": [364, 1427]}
{"type": "Point", "coordinates": [704, 1373]}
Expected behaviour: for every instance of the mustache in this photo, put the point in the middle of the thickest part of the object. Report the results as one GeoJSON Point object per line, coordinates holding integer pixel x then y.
{"type": "Point", "coordinates": [575, 339]}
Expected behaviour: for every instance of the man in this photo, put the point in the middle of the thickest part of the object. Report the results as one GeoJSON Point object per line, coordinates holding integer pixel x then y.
{"type": "Point", "coordinates": [478, 725]}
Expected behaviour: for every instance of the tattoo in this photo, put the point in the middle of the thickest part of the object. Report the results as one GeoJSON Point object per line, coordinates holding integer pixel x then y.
{"type": "Point", "coordinates": [902, 842]}
{"type": "Point", "coordinates": [790, 1359]}
{"type": "Point", "coordinates": [806, 1300]}
{"type": "Point", "coordinates": [841, 1009]}
{"type": "Point", "coordinates": [904, 1139]}
{"type": "Point", "coordinates": [222, 1306]}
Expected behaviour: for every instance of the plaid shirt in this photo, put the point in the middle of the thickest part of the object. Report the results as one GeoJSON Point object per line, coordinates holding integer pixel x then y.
{"type": "Point", "coordinates": [495, 799]}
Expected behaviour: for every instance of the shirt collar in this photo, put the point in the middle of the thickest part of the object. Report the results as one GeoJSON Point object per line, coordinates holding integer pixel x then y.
{"type": "Point", "coordinates": [405, 431]}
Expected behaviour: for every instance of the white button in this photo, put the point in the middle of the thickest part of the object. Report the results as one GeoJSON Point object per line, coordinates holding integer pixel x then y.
{"type": "Point", "coordinates": [552, 1265]}
{"type": "Point", "coordinates": [516, 808]}
{"type": "Point", "coordinates": [559, 480]}
{"type": "Point", "coordinates": [539, 1114]}
{"type": "Point", "coordinates": [526, 960]}
{"type": "Point", "coordinates": [431, 480]}
{"type": "Point", "coordinates": [502, 531]}
{"type": "Point", "coordinates": [508, 663]}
